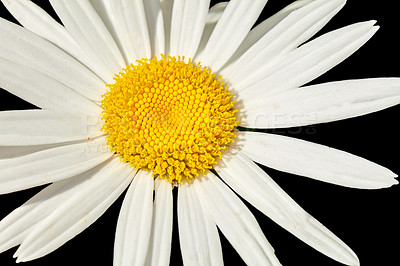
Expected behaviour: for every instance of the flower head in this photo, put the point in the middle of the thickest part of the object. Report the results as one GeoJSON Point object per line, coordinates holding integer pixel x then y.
{"type": "Point", "coordinates": [148, 96]}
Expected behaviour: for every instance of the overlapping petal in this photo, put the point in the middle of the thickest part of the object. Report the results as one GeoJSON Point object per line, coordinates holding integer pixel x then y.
{"type": "Point", "coordinates": [233, 26]}
{"type": "Point", "coordinates": [50, 165]}
{"type": "Point", "coordinates": [155, 25]}
{"type": "Point", "coordinates": [75, 213]}
{"type": "Point", "coordinates": [315, 161]}
{"type": "Point", "coordinates": [265, 26]}
{"type": "Point", "coordinates": [280, 34]}
{"type": "Point", "coordinates": [38, 127]}
{"type": "Point", "coordinates": [234, 220]}
{"type": "Point", "coordinates": [213, 16]}
{"type": "Point", "coordinates": [305, 63]}
{"type": "Point", "coordinates": [322, 103]}
{"type": "Point", "coordinates": [23, 47]}
{"type": "Point", "coordinates": [107, 15]}
{"type": "Point", "coordinates": [132, 28]}
{"type": "Point", "coordinates": [159, 250]}
{"type": "Point", "coordinates": [16, 226]}
{"type": "Point", "coordinates": [35, 19]}
{"type": "Point", "coordinates": [187, 25]}
{"type": "Point", "coordinates": [133, 232]}
{"type": "Point", "coordinates": [264, 194]}
{"type": "Point", "coordinates": [90, 33]}
{"type": "Point", "coordinates": [7, 152]}
{"type": "Point", "coordinates": [198, 235]}
{"type": "Point", "coordinates": [42, 90]}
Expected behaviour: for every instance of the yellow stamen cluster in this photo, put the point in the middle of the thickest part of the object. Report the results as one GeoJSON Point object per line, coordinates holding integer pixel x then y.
{"type": "Point", "coordinates": [168, 116]}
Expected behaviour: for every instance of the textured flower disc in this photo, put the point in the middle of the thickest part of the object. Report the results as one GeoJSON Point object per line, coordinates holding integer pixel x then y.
{"type": "Point", "coordinates": [168, 116]}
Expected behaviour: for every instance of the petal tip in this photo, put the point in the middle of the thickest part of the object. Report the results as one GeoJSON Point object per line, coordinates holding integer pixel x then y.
{"type": "Point", "coordinates": [373, 22]}
{"type": "Point", "coordinates": [395, 181]}
{"type": "Point", "coordinates": [388, 182]}
{"type": "Point", "coordinates": [351, 259]}
{"type": "Point", "coordinates": [392, 179]}
{"type": "Point", "coordinates": [355, 262]}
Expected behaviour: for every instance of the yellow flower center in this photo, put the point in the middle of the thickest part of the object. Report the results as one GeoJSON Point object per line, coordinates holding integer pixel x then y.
{"type": "Point", "coordinates": [169, 117]}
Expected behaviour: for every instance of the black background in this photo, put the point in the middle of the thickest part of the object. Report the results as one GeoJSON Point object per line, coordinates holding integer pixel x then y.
{"type": "Point", "coordinates": [366, 220]}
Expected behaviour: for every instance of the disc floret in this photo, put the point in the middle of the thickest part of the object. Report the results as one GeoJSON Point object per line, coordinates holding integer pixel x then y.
{"type": "Point", "coordinates": [168, 116]}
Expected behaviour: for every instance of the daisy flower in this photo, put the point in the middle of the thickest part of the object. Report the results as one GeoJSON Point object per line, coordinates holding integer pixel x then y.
{"type": "Point", "coordinates": [151, 97]}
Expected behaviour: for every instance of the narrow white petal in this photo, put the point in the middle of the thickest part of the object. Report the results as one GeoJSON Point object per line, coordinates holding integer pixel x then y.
{"type": "Point", "coordinates": [155, 25]}
{"type": "Point", "coordinates": [35, 127]}
{"type": "Point", "coordinates": [233, 26]}
{"type": "Point", "coordinates": [41, 90]}
{"type": "Point", "coordinates": [94, 196]}
{"type": "Point", "coordinates": [161, 227]}
{"type": "Point", "coordinates": [88, 30]}
{"type": "Point", "coordinates": [213, 16]}
{"type": "Point", "coordinates": [166, 8]}
{"type": "Point", "coordinates": [254, 185]}
{"type": "Point", "coordinates": [7, 152]}
{"type": "Point", "coordinates": [322, 103]}
{"type": "Point", "coordinates": [306, 62]}
{"type": "Point", "coordinates": [16, 226]}
{"type": "Point", "coordinates": [187, 25]}
{"type": "Point", "coordinates": [289, 33]}
{"type": "Point", "coordinates": [35, 19]}
{"type": "Point", "coordinates": [132, 236]}
{"type": "Point", "coordinates": [234, 220]}
{"type": "Point", "coordinates": [130, 20]}
{"type": "Point", "coordinates": [198, 234]}
{"type": "Point", "coordinates": [105, 12]}
{"type": "Point", "coordinates": [265, 26]}
{"type": "Point", "coordinates": [315, 161]}
{"type": "Point", "coordinates": [26, 48]}
{"type": "Point", "coordinates": [51, 165]}
{"type": "Point", "coordinates": [214, 243]}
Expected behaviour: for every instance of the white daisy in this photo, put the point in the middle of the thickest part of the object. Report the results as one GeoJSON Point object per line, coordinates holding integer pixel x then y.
{"type": "Point", "coordinates": [168, 119]}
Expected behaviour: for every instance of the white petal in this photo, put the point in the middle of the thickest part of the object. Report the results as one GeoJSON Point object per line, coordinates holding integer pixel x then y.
{"type": "Point", "coordinates": [198, 235]}
{"type": "Point", "coordinates": [161, 230]}
{"type": "Point", "coordinates": [188, 20]}
{"type": "Point", "coordinates": [7, 152]}
{"type": "Point", "coordinates": [155, 25]}
{"type": "Point", "coordinates": [26, 48]}
{"type": "Point", "coordinates": [18, 224]}
{"type": "Point", "coordinates": [34, 127]}
{"type": "Point", "coordinates": [93, 197]}
{"type": "Point", "coordinates": [38, 21]}
{"type": "Point", "coordinates": [87, 29]}
{"type": "Point", "coordinates": [322, 103]}
{"type": "Point", "coordinates": [234, 220]}
{"type": "Point", "coordinates": [254, 185]}
{"type": "Point", "coordinates": [132, 236]}
{"type": "Point", "coordinates": [265, 26]}
{"type": "Point", "coordinates": [130, 20]}
{"type": "Point", "coordinates": [15, 227]}
{"type": "Point", "coordinates": [233, 26]}
{"type": "Point", "coordinates": [214, 243]}
{"type": "Point", "coordinates": [166, 8]}
{"type": "Point", "coordinates": [41, 90]}
{"type": "Point", "coordinates": [51, 165]}
{"type": "Point", "coordinates": [306, 62]}
{"type": "Point", "coordinates": [214, 14]}
{"type": "Point", "coordinates": [315, 161]}
{"type": "Point", "coordinates": [289, 33]}
{"type": "Point", "coordinates": [105, 12]}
